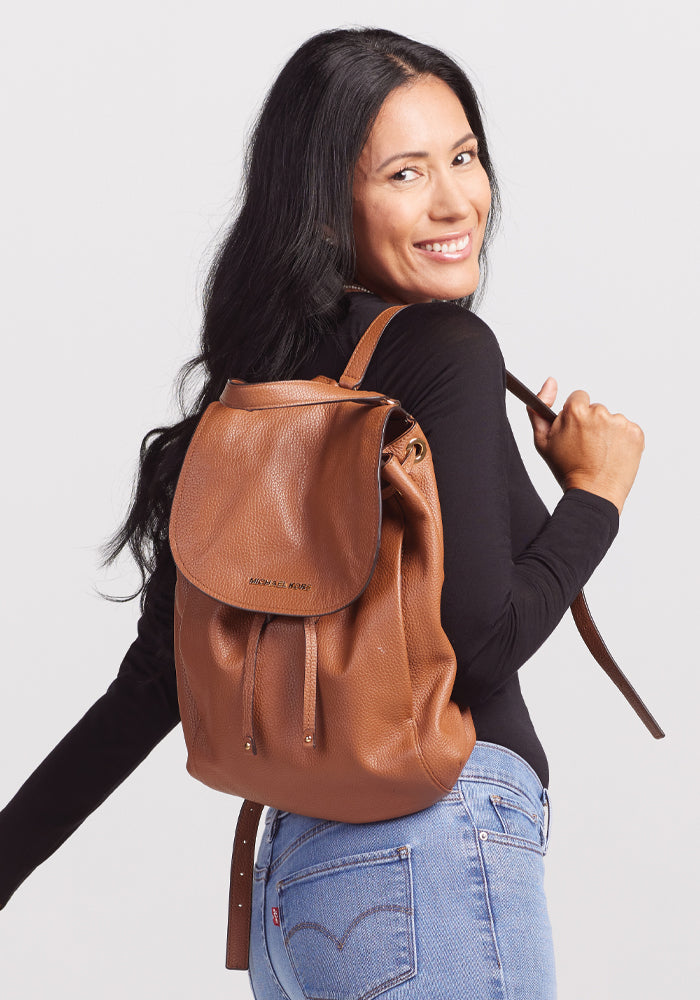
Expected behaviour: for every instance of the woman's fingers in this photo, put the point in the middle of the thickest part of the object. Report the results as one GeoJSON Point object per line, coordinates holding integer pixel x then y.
{"type": "Point", "coordinates": [548, 392]}
{"type": "Point", "coordinates": [590, 448]}
{"type": "Point", "coordinates": [540, 426]}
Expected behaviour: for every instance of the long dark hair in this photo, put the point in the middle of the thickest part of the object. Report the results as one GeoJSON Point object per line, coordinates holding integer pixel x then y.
{"type": "Point", "coordinates": [275, 286]}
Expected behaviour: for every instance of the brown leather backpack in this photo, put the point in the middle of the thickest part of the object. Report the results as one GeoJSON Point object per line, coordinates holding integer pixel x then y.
{"type": "Point", "coordinates": [313, 672]}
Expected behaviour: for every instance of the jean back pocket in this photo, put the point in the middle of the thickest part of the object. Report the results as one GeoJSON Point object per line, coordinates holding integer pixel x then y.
{"type": "Point", "coordinates": [348, 924]}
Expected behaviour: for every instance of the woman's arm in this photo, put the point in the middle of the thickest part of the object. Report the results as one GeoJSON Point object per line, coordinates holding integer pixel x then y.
{"type": "Point", "coordinates": [138, 709]}
{"type": "Point", "coordinates": [511, 570]}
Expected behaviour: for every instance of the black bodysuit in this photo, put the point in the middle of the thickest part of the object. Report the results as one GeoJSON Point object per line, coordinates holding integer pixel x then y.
{"type": "Point", "coordinates": [511, 572]}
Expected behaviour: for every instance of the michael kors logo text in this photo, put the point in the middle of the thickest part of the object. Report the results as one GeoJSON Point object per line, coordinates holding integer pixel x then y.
{"type": "Point", "coordinates": [279, 583]}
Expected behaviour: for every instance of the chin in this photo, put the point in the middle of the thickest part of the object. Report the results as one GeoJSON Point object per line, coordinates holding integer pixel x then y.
{"type": "Point", "coordinates": [456, 288]}
{"type": "Point", "coordinates": [450, 292]}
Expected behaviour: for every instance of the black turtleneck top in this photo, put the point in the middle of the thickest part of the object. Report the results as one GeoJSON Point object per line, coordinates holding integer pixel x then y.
{"type": "Point", "coordinates": [511, 572]}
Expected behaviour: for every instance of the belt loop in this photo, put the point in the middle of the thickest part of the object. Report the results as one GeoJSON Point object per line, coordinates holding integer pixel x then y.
{"type": "Point", "coordinates": [272, 829]}
{"type": "Point", "coordinates": [548, 810]}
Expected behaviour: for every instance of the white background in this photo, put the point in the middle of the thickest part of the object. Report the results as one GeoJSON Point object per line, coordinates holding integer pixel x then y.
{"type": "Point", "coordinates": [122, 133]}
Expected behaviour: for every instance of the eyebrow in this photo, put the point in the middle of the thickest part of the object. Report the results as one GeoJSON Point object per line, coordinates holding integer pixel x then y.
{"type": "Point", "coordinates": [421, 153]}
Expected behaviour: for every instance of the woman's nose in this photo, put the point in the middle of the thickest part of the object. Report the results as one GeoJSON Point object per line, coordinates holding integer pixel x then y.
{"type": "Point", "coordinates": [450, 198]}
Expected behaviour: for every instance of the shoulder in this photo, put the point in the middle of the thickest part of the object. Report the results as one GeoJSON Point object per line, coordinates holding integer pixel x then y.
{"type": "Point", "coordinates": [445, 340]}
{"type": "Point", "coordinates": [441, 361]}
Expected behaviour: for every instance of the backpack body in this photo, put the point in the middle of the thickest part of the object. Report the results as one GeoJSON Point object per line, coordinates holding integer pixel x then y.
{"type": "Point", "coordinates": [313, 672]}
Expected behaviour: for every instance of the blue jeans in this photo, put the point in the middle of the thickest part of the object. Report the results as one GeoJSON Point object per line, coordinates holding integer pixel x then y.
{"type": "Point", "coordinates": [445, 904]}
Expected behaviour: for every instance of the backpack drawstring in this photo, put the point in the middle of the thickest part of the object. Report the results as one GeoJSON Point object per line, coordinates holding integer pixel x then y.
{"type": "Point", "coordinates": [251, 656]}
{"type": "Point", "coordinates": [310, 670]}
{"type": "Point", "coordinates": [257, 624]}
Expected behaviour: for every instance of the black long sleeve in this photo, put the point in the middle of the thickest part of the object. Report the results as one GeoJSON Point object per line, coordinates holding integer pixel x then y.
{"type": "Point", "coordinates": [511, 571]}
{"type": "Point", "coordinates": [113, 737]}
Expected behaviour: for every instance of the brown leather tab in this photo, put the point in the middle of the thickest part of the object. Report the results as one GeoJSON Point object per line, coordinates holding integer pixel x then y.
{"type": "Point", "coordinates": [241, 888]}
{"type": "Point", "coordinates": [361, 356]}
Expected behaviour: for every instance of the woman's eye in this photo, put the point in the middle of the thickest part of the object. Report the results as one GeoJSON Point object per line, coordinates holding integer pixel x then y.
{"type": "Point", "coordinates": [471, 153]}
{"type": "Point", "coordinates": [462, 159]}
{"type": "Point", "coordinates": [400, 175]}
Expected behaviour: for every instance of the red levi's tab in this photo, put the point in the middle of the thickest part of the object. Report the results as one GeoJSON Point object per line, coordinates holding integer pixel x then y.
{"type": "Point", "coordinates": [275, 916]}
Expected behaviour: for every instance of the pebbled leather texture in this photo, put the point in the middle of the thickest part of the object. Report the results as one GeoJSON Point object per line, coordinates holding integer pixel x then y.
{"type": "Point", "coordinates": [307, 537]}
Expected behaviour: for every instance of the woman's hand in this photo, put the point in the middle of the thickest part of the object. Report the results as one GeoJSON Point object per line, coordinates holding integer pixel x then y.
{"type": "Point", "coordinates": [587, 447]}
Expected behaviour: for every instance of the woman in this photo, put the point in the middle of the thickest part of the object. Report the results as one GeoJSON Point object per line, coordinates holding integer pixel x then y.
{"type": "Point", "coordinates": [369, 182]}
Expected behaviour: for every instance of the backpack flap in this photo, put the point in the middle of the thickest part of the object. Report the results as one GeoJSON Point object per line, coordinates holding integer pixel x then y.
{"type": "Point", "coordinates": [278, 505]}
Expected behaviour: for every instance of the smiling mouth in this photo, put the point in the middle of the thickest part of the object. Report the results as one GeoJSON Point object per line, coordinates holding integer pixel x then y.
{"type": "Point", "coordinates": [446, 246]}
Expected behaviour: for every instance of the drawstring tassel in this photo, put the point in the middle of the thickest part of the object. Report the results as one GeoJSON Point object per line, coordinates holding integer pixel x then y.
{"type": "Point", "coordinates": [310, 670]}
{"type": "Point", "coordinates": [251, 656]}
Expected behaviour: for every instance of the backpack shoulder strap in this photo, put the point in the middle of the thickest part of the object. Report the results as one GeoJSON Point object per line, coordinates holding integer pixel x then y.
{"type": "Point", "coordinates": [360, 357]}
{"type": "Point", "coordinates": [351, 379]}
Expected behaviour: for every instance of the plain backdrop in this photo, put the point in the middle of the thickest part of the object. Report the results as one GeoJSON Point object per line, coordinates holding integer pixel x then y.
{"type": "Point", "coordinates": [122, 131]}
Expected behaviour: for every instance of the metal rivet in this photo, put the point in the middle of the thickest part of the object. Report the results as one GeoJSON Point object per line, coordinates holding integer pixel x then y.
{"type": "Point", "coordinates": [484, 835]}
{"type": "Point", "coordinates": [247, 745]}
{"type": "Point", "coordinates": [307, 739]}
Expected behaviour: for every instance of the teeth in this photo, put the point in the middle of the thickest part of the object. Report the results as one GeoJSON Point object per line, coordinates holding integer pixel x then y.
{"type": "Point", "coordinates": [454, 246]}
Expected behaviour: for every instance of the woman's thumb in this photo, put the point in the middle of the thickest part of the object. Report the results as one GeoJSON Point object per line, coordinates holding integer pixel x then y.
{"type": "Point", "coordinates": [540, 426]}
{"type": "Point", "coordinates": [548, 392]}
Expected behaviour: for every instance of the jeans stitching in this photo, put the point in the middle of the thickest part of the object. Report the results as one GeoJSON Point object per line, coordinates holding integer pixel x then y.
{"type": "Point", "coordinates": [410, 913]}
{"type": "Point", "coordinates": [403, 855]}
{"type": "Point", "coordinates": [511, 841]}
{"type": "Point", "coordinates": [381, 908]}
{"type": "Point", "coordinates": [387, 855]}
{"type": "Point", "coordinates": [485, 887]}
{"type": "Point", "coordinates": [301, 839]}
{"type": "Point", "coordinates": [502, 783]}
{"type": "Point", "coordinates": [546, 832]}
{"type": "Point", "coordinates": [537, 823]}
{"type": "Point", "coordinates": [510, 753]}
{"type": "Point", "coordinates": [263, 946]}
{"type": "Point", "coordinates": [499, 800]}
{"type": "Point", "coordinates": [487, 898]}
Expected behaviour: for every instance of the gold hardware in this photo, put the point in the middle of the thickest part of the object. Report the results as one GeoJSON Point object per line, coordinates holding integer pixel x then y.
{"type": "Point", "coordinates": [420, 447]}
{"type": "Point", "coordinates": [247, 745]}
{"type": "Point", "coordinates": [307, 739]}
{"type": "Point", "coordinates": [284, 584]}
